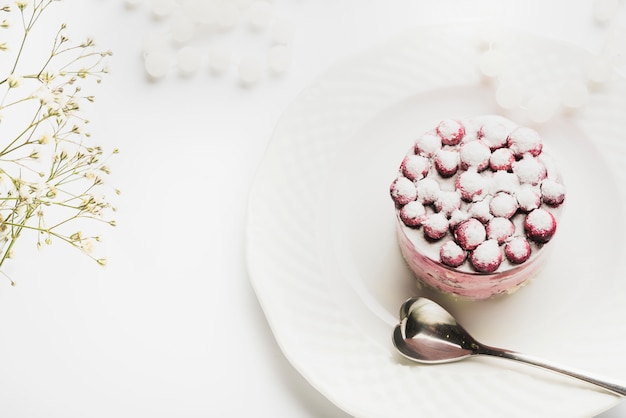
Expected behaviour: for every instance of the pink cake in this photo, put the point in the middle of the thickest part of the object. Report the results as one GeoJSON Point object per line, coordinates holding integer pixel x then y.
{"type": "Point", "coordinates": [477, 200]}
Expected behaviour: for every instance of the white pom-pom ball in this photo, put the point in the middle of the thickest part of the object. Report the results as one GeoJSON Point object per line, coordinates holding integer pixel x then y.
{"type": "Point", "coordinates": [154, 41]}
{"type": "Point", "coordinates": [492, 62]}
{"type": "Point", "coordinates": [227, 15]}
{"type": "Point", "coordinates": [219, 58]}
{"type": "Point", "coordinates": [509, 94]}
{"type": "Point", "coordinates": [279, 58]}
{"type": "Point", "coordinates": [132, 3]}
{"type": "Point", "coordinates": [188, 60]}
{"type": "Point", "coordinates": [201, 11]}
{"type": "Point", "coordinates": [574, 94]}
{"type": "Point", "coordinates": [259, 14]}
{"type": "Point", "coordinates": [283, 31]}
{"type": "Point", "coordinates": [182, 29]}
{"type": "Point", "coordinates": [157, 64]}
{"type": "Point", "coordinates": [162, 8]}
{"type": "Point", "coordinates": [250, 69]}
{"type": "Point", "coordinates": [605, 10]}
{"type": "Point", "coordinates": [599, 68]}
{"type": "Point", "coordinates": [542, 107]}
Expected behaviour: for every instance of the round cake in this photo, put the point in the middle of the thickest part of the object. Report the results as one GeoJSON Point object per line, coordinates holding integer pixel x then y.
{"type": "Point", "coordinates": [476, 201]}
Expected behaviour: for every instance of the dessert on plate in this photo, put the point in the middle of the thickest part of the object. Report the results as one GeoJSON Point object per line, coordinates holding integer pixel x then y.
{"type": "Point", "coordinates": [477, 200]}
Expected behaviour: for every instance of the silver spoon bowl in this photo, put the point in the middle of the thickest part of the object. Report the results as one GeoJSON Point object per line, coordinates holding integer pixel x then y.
{"type": "Point", "coordinates": [427, 333]}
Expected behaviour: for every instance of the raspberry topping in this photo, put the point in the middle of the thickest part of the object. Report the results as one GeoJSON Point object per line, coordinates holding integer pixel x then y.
{"type": "Point", "coordinates": [528, 198]}
{"type": "Point", "coordinates": [470, 234]}
{"type": "Point", "coordinates": [479, 188]}
{"type": "Point", "coordinates": [427, 144]}
{"type": "Point", "coordinates": [436, 226]}
{"type": "Point", "coordinates": [480, 210]}
{"type": "Point", "coordinates": [402, 191]}
{"type": "Point", "coordinates": [500, 229]}
{"type": "Point", "coordinates": [413, 214]}
{"type": "Point", "coordinates": [530, 170]}
{"type": "Point", "coordinates": [525, 140]}
{"type": "Point", "coordinates": [446, 162]}
{"type": "Point", "coordinates": [494, 135]}
{"type": "Point", "coordinates": [475, 154]}
{"type": "Point", "coordinates": [415, 167]}
{"type": "Point", "coordinates": [451, 254]}
{"type": "Point", "coordinates": [517, 250]}
{"type": "Point", "coordinates": [553, 193]}
{"type": "Point", "coordinates": [503, 205]}
{"type": "Point", "coordinates": [503, 181]}
{"type": "Point", "coordinates": [457, 217]}
{"type": "Point", "coordinates": [471, 185]}
{"type": "Point", "coordinates": [501, 159]}
{"type": "Point", "coordinates": [427, 190]}
{"type": "Point", "coordinates": [447, 202]}
{"type": "Point", "coordinates": [451, 132]}
{"type": "Point", "coordinates": [540, 225]}
{"type": "Point", "coordinates": [487, 257]}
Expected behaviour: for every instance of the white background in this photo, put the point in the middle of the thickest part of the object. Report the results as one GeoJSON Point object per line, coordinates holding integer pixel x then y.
{"type": "Point", "coordinates": [171, 327]}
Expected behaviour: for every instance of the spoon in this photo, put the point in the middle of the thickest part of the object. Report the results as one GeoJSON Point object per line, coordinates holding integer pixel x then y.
{"type": "Point", "coordinates": [427, 333]}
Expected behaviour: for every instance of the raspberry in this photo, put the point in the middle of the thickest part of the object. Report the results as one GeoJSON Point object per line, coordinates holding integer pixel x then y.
{"type": "Point", "coordinates": [530, 170]}
{"type": "Point", "coordinates": [500, 229]}
{"type": "Point", "coordinates": [457, 217]}
{"type": "Point", "coordinates": [451, 132]}
{"type": "Point", "coordinates": [517, 250]}
{"type": "Point", "coordinates": [501, 159]}
{"type": "Point", "coordinates": [451, 254]}
{"type": "Point", "coordinates": [471, 185]}
{"type": "Point", "coordinates": [402, 191]}
{"type": "Point", "coordinates": [486, 258]}
{"type": "Point", "coordinates": [446, 162]}
{"type": "Point", "coordinates": [552, 192]}
{"type": "Point", "coordinates": [427, 190]}
{"type": "Point", "coordinates": [503, 205]}
{"type": "Point", "coordinates": [494, 135]}
{"type": "Point", "coordinates": [435, 226]}
{"type": "Point", "coordinates": [528, 198]}
{"type": "Point", "coordinates": [503, 181]}
{"type": "Point", "coordinates": [525, 140]}
{"type": "Point", "coordinates": [427, 144]}
{"type": "Point", "coordinates": [480, 210]}
{"type": "Point", "coordinates": [447, 202]}
{"type": "Point", "coordinates": [540, 225]}
{"type": "Point", "coordinates": [413, 214]}
{"type": "Point", "coordinates": [475, 154]}
{"type": "Point", "coordinates": [470, 234]}
{"type": "Point", "coordinates": [415, 167]}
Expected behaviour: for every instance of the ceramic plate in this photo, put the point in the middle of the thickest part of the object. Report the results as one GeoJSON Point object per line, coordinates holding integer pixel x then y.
{"type": "Point", "coordinates": [324, 261]}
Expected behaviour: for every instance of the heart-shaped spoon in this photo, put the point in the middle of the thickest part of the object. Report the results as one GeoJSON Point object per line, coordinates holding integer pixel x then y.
{"type": "Point", "coordinates": [427, 333]}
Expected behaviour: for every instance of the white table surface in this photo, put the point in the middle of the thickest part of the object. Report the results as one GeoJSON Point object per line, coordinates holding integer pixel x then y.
{"type": "Point", "coordinates": [171, 327]}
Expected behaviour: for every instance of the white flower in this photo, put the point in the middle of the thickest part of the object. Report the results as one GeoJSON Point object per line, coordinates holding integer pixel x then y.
{"type": "Point", "coordinates": [14, 81]}
{"type": "Point", "coordinates": [25, 192]}
{"type": "Point", "coordinates": [87, 245]}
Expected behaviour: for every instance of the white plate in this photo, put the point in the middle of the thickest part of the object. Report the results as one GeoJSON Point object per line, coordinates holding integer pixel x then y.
{"type": "Point", "coordinates": [326, 268]}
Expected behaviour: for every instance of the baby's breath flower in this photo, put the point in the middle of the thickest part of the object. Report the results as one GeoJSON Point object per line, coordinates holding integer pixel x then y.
{"type": "Point", "coordinates": [14, 81]}
{"type": "Point", "coordinates": [51, 173]}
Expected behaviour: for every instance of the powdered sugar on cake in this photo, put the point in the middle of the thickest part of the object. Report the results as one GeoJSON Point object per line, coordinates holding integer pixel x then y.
{"type": "Point", "coordinates": [478, 194]}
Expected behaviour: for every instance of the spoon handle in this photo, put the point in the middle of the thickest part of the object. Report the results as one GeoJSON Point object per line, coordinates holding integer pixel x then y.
{"type": "Point", "coordinates": [612, 387]}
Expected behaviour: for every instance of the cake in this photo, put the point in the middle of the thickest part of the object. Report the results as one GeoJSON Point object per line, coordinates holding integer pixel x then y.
{"type": "Point", "coordinates": [477, 201]}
